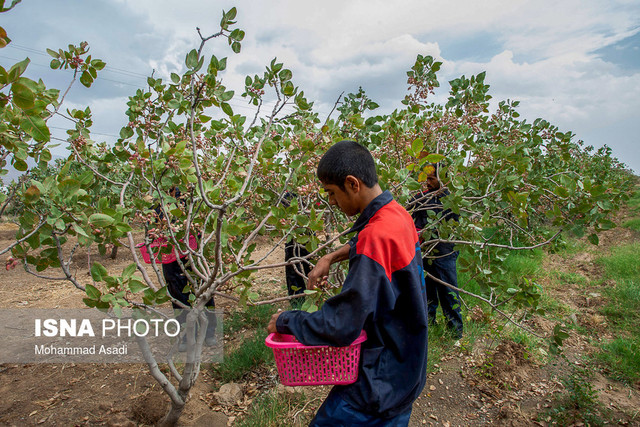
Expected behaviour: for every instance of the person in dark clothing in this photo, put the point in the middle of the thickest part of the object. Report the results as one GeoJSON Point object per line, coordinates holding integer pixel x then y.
{"type": "Point", "coordinates": [383, 294]}
{"type": "Point", "coordinates": [178, 288]}
{"type": "Point", "coordinates": [441, 259]}
{"type": "Point", "coordinates": [293, 249]}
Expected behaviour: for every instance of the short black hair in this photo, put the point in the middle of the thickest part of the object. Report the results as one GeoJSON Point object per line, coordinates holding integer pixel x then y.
{"type": "Point", "coordinates": [347, 158]}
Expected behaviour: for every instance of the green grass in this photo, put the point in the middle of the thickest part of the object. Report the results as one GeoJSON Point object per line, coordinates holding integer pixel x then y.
{"type": "Point", "coordinates": [632, 224]}
{"type": "Point", "coordinates": [572, 246]}
{"type": "Point", "coordinates": [622, 263]}
{"type": "Point", "coordinates": [621, 356]}
{"type": "Point", "coordinates": [517, 265]}
{"type": "Point", "coordinates": [442, 341]}
{"type": "Point", "coordinates": [634, 201]}
{"type": "Point", "coordinates": [577, 405]}
{"type": "Point", "coordinates": [568, 277]}
{"type": "Point", "coordinates": [554, 309]}
{"type": "Point", "coordinates": [278, 410]}
{"type": "Point", "coordinates": [528, 264]}
{"type": "Point", "coordinates": [623, 305]}
{"type": "Point", "coordinates": [252, 317]}
{"type": "Point", "coordinates": [252, 353]}
{"type": "Point", "coordinates": [520, 336]}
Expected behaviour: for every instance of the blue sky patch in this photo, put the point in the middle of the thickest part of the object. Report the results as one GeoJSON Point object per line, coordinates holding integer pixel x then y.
{"type": "Point", "coordinates": [625, 53]}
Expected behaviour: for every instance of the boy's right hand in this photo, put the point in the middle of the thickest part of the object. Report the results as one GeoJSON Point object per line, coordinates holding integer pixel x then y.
{"type": "Point", "coordinates": [271, 327]}
{"type": "Point", "coordinates": [319, 273]}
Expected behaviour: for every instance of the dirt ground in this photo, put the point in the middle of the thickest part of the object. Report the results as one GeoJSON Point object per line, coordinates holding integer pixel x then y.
{"type": "Point", "coordinates": [484, 385]}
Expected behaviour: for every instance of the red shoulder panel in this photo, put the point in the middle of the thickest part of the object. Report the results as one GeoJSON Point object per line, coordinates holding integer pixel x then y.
{"type": "Point", "coordinates": [389, 238]}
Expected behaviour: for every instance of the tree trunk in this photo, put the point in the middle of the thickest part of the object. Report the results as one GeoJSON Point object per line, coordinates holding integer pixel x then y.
{"type": "Point", "coordinates": [114, 252]}
{"type": "Point", "coordinates": [172, 417]}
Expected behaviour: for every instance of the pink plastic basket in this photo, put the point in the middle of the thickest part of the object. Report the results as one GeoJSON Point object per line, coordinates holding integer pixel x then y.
{"type": "Point", "coordinates": [299, 364]}
{"type": "Point", "coordinates": [162, 242]}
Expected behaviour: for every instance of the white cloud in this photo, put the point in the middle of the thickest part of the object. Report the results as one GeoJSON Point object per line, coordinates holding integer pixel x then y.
{"type": "Point", "coordinates": [543, 52]}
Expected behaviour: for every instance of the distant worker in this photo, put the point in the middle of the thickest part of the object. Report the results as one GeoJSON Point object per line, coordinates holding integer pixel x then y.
{"type": "Point", "coordinates": [440, 261]}
{"type": "Point", "coordinates": [293, 249]}
{"type": "Point", "coordinates": [178, 285]}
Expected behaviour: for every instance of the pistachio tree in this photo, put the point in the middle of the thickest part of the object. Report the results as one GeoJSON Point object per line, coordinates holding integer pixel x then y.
{"type": "Point", "coordinates": [516, 185]}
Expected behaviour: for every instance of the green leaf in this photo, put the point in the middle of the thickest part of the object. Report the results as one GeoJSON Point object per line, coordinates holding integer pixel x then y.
{"type": "Point", "coordinates": [416, 146]}
{"type": "Point", "coordinates": [32, 194]}
{"type": "Point", "coordinates": [101, 220]}
{"type": "Point", "coordinates": [4, 76]}
{"type": "Point", "coordinates": [434, 158]}
{"type": "Point", "coordinates": [23, 97]}
{"type": "Point", "coordinates": [136, 286]}
{"type": "Point", "coordinates": [4, 40]}
{"type": "Point", "coordinates": [17, 70]}
{"type": "Point", "coordinates": [79, 230]}
{"type": "Point", "coordinates": [226, 108]}
{"type": "Point", "coordinates": [20, 165]}
{"type": "Point", "coordinates": [606, 224]}
{"type": "Point", "coordinates": [92, 292]}
{"type": "Point", "coordinates": [98, 64]}
{"type": "Point", "coordinates": [98, 272]}
{"type": "Point", "coordinates": [593, 239]}
{"type": "Point", "coordinates": [288, 89]}
{"type": "Point", "coordinates": [126, 132]}
{"type": "Point", "coordinates": [86, 79]}
{"type": "Point", "coordinates": [117, 310]}
{"type": "Point", "coordinates": [131, 268]}
{"type": "Point", "coordinates": [226, 96]}
{"type": "Point", "coordinates": [69, 186]}
{"type": "Point", "coordinates": [192, 59]}
{"type": "Point", "coordinates": [13, 4]}
{"type": "Point", "coordinates": [235, 46]}
{"type": "Point", "coordinates": [36, 127]}
{"type": "Point", "coordinates": [285, 75]}
{"type": "Point", "coordinates": [175, 78]}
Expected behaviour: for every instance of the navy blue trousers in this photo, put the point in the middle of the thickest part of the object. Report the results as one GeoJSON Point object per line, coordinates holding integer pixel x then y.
{"type": "Point", "coordinates": [438, 294]}
{"type": "Point", "coordinates": [336, 412]}
{"type": "Point", "coordinates": [295, 282]}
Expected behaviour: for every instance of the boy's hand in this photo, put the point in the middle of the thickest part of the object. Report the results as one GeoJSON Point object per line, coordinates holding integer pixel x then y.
{"type": "Point", "coordinates": [319, 273]}
{"type": "Point", "coordinates": [271, 327]}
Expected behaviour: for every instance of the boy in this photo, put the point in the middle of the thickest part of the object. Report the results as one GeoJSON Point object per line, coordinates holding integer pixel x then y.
{"type": "Point", "coordinates": [383, 294]}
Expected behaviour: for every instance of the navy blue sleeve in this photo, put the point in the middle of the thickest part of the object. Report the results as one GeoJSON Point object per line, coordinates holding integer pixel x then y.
{"type": "Point", "coordinates": [342, 317]}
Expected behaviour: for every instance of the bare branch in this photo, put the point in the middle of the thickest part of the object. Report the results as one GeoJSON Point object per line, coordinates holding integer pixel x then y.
{"type": "Point", "coordinates": [156, 373]}
{"type": "Point", "coordinates": [496, 245]}
{"type": "Point", "coordinates": [42, 222]}
{"type": "Point", "coordinates": [493, 306]}
{"type": "Point", "coordinates": [65, 266]}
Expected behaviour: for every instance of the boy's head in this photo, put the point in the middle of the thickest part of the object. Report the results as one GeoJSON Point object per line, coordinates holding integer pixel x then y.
{"type": "Point", "coordinates": [347, 158]}
{"type": "Point", "coordinates": [348, 174]}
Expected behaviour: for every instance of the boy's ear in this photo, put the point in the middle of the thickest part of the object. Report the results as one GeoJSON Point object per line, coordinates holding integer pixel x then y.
{"type": "Point", "coordinates": [352, 183]}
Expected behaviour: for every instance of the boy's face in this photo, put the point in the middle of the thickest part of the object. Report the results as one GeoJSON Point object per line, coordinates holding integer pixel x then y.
{"type": "Point", "coordinates": [343, 199]}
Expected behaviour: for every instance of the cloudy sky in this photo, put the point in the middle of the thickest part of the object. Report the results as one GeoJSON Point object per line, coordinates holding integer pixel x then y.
{"type": "Point", "coordinates": [575, 63]}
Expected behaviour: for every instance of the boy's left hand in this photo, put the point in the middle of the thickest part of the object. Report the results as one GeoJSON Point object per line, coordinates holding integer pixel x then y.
{"type": "Point", "coordinates": [271, 327]}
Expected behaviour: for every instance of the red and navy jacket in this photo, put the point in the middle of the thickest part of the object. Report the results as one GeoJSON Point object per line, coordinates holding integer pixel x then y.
{"type": "Point", "coordinates": [384, 294]}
